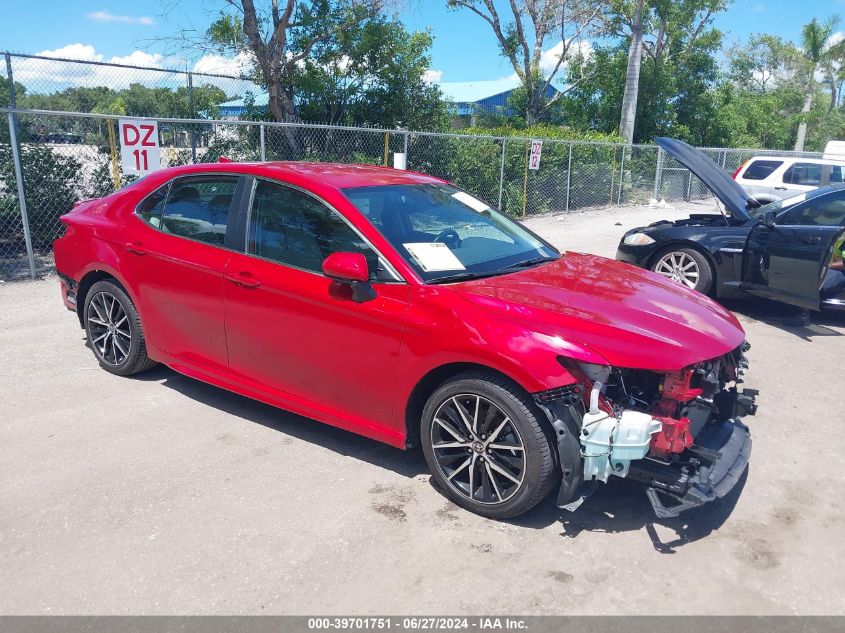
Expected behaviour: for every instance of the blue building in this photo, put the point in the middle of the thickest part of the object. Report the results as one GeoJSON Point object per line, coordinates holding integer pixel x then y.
{"type": "Point", "coordinates": [468, 99]}
{"type": "Point", "coordinates": [236, 108]}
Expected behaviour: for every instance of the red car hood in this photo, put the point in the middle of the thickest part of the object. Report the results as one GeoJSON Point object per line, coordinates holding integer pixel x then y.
{"type": "Point", "coordinates": [631, 317]}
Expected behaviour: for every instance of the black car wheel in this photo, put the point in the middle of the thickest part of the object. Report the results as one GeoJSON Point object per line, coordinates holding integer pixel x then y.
{"type": "Point", "coordinates": [114, 330]}
{"type": "Point", "coordinates": [486, 447]}
{"type": "Point", "coordinates": [687, 266]}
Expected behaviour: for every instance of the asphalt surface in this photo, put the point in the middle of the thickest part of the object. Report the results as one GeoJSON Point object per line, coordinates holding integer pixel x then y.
{"type": "Point", "coordinates": [159, 494]}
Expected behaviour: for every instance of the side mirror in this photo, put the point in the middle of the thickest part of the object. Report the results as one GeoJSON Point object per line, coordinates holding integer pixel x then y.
{"type": "Point", "coordinates": [351, 270]}
{"type": "Point", "coordinates": [769, 218]}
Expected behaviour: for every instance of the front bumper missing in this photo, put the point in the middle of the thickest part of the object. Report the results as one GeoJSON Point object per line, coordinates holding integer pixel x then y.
{"type": "Point", "coordinates": [722, 450]}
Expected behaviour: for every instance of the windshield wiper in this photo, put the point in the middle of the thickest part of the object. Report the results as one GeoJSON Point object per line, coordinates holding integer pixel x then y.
{"type": "Point", "coordinates": [464, 276]}
{"type": "Point", "coordinates": [526, 264]}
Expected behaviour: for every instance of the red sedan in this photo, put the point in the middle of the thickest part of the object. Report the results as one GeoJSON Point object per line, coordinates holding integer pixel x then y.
{"type": "Point", "coordinates": [397, 306]}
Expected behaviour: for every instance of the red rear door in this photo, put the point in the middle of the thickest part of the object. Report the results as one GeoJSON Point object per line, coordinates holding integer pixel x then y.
{"type": "Point", "coordinates": [293, 330]}
{"type": "Point", "coordinates": [176, 265]}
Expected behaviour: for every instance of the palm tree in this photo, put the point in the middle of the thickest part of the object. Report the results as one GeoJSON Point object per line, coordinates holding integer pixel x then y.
{"type": "Point", "coordinates": [817, 48]}
{"type": "Point", "coordinates": [632, 77]}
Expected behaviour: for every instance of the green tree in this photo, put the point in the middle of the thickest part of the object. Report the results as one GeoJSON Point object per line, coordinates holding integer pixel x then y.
{"type": "Point", "coordinates": [662, 32]}
{"type": "Point", "coordinates": [818, 48]}
{"type": "Point", "coordinates": [523, 32]}
{"type": "Point", "coordinates": [373, 74]}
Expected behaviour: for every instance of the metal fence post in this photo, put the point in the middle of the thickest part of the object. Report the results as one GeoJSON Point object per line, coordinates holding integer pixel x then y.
{"type": "Point", "coordinates": [621, 175]}
{"type": "Point", "coordinates": [568, 176]}
{"type": "Point", "coordinates": [261, 141]}
{"type": "Point", "coordinates": [16, 157]}
{"type": "Point", "coordinates": [658, 173]}
{"type": "Point", "coordinates": [405, 147]}
{"type": "Point", "coordinates": [502, 173]}
{"type": "Point", "coordinates": [193, 116]}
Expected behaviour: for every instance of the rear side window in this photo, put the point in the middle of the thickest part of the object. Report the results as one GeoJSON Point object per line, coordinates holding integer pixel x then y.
{"type": "Point", "coordinates": [836, 173]}
{"type": "Point", "coordinates": [808, 174]}
{"type": "Point", "coordinates": [198, 208]}
{"type": "Point", "coordinates": [761, 169]}
{"type": "Point", "coordinates": [152, 206]}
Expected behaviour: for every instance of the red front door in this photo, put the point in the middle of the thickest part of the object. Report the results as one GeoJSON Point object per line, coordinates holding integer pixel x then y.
{"type": "Point", "coordinates": [293, 330]}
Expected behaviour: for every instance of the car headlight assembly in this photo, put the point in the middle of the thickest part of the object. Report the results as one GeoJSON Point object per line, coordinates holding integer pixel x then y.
{"type": "Point", "coordinates": [638, 239]}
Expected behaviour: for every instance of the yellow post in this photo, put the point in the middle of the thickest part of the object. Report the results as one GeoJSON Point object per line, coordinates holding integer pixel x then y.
{"type": "Point", "coordinates": [386, 146]}
{"type": "Point", "coordinates": [115, 161]}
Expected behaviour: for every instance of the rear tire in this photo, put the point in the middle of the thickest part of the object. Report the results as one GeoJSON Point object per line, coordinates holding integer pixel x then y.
{"type": "Point", "coordinates": [486, 446]}
{"type": "Point", "coordinates": [687, 266]}
{"type": "Point", "coordinates": [114, 330]}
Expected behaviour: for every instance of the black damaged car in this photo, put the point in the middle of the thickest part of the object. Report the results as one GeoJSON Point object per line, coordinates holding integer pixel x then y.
{"type": "Point", "coordinates": [781, 251]}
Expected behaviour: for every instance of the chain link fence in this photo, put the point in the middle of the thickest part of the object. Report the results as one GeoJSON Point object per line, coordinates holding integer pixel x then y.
{"type": "Point", "coordinates": [58, 145]}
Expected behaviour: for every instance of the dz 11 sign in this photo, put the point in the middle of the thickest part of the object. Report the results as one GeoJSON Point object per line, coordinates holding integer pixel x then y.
{"type": "Point", "coordinates": [536, 150]}
{"type": "Point", "coordinates": [139, 151]}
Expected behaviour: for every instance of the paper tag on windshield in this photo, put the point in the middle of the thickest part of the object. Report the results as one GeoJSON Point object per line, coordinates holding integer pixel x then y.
{"type": "Point", "coordinates": [434, 256]}
{"type": "Point", "coordinates": [795, 199]}
{"type": "Point", "coordinates": [473, 203]}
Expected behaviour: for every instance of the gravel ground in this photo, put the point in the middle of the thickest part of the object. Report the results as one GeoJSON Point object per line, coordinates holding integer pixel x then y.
{"type": "Point", "coordinates": [163, 495]}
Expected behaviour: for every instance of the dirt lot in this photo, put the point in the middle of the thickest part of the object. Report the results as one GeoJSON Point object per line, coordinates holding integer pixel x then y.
{"type": "Point", "coordinates": [160, 494]}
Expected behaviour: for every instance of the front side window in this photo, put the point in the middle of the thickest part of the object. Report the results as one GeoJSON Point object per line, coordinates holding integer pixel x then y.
{"type": "Point", "coordinates": [826, 210]}
{"type": "Point", "coordinates": [445, 233]}
{"type": "Point", "coordinates": [807, 174]}
{"type": "Point", "coordinates": [197, 207]}
{"type": "Point", "coordinates": [295, 229]}
{"type": "Point", "coordinates": [761, 169]}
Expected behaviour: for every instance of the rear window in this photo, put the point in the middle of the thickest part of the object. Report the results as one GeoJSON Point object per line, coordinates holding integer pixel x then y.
{"type": "Point", "coordinates": [761, 169]}
{"type": "Point", "coordinates": [808, 174]}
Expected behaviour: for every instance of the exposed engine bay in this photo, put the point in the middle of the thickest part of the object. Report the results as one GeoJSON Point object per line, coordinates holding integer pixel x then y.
{"type": "Point", "coordinates": [679, 433]}
{"type": "Point", "coordinates": [695, 219]}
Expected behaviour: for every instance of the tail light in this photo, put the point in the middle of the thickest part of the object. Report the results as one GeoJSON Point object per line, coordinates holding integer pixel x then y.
{"type": "Point", "coordinates": [68, 227]}
{"type": "Point", "coordinates": [740, 168]}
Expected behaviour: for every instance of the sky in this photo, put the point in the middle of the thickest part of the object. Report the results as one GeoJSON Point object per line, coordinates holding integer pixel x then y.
{"type": "Point", "coordinates": [464, 48]}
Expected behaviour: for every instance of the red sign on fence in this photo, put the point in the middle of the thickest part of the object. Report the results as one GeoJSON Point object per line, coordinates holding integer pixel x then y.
{"type": "Point", "coordinates": [139, 150]}
{"type": "Point", "coordinates": [536, 150]}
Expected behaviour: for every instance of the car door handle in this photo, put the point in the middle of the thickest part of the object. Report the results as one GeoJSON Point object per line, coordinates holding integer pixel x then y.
{"type": "Point", "coordinates": [780, 188]}
{"type": "Point", "coordinates": [811, 239]}
{"type": "Point", "coordinates": [136, 248]}
{"type": "Point", "coordinates": [244, 280]}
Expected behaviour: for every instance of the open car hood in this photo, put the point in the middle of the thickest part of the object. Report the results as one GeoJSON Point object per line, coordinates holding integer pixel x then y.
{"type": "Point", "coordinates": [725, 188]}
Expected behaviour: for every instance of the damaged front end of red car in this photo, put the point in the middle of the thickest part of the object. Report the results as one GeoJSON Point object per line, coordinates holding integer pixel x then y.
{"type": "Point", "coordinates": [679, 433]}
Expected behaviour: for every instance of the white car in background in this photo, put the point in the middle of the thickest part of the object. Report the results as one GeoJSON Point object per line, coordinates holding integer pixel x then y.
{"type": "Point", "coordinates": [770, 178]}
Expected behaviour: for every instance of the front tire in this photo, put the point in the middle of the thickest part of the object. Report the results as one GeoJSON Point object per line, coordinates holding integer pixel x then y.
{"type": "Point", "coordinates": [114, 330]}
{"type": "Point", "coordinates": [687, 266]}
{"type": "Point", "coordinates": [486, 447]}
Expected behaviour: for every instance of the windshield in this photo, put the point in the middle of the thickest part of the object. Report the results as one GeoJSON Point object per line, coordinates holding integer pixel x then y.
{"type": "Point", "coordinates": [447, 234]}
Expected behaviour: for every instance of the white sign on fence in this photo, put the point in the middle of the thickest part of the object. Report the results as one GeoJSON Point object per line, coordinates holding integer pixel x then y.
{"type": "Point", "coordinates": [139, 151]}
{"type": "Point", "coordinates": [536, 150]}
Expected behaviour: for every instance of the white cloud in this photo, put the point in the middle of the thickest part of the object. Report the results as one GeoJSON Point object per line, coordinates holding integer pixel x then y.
{"type": "Point", "coordinates": [241, 64]}
{"type": "Point", "coordinates": [432, 76]}
{"type": "Point", "coordinates": [550, 57]}
{"type": "Point", "coordinates": [41, 75]}
{"type": "Point", "coordinates": [105, 16]}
